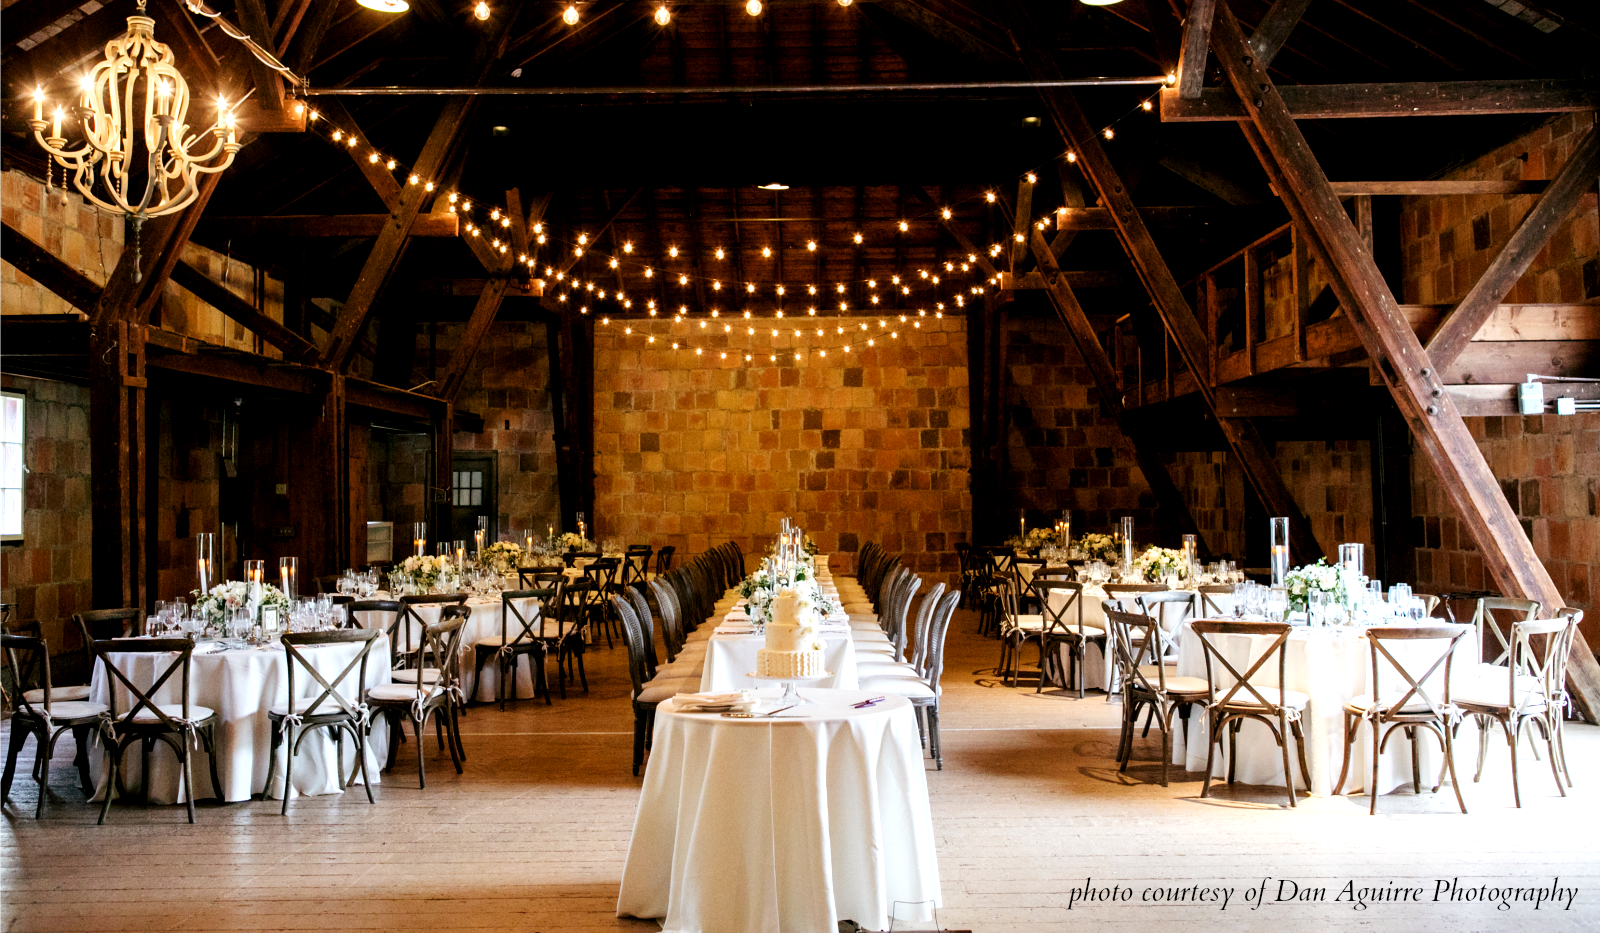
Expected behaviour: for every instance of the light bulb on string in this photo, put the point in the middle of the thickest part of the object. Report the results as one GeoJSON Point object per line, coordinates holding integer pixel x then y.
{"type": "Point", "coordinates": [719, 252]}
{"type": "Point", "coordinates": [1032, 178]}
{"type": "Point", "coordinates": [672, 251]}
{"type": "Point", "coordinates": [481, 11]}
{"type": "Point", "coordinates": [858, 239]}
{"type": "Point", "coordinates": [1109, 133]}
{"type": "Point", "coordinates": [766, 252]}
{"type": "Point", "coordinates": [663, 16]}
{"type": "Point", "coordinates": [570, 15]}
{"type": "Point", "coordinates": [753, 7]}
{"type": "Point", "coordinates": [1146, 105]}
{"type": "Point", "coordinates": [626, 247]}
{"type": "Point", "coordinates": [989, 196]}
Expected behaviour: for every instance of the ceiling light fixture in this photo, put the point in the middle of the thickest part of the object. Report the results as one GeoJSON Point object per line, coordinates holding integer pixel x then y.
{"type": "Point", "coordinates": [570, 15]}
{"type": "Point", "coordinates": [481, 11]}
{"type": "Point", "coordinates": [753, 7]}
{"type": "Point", "coordinates": [774, 186]}
{"type": "Point", "coordinates": [141, 164]}
{"type": "Point", "coordinates": [386, 6]}
{"type": "Point", "coordinates": [663, 16]}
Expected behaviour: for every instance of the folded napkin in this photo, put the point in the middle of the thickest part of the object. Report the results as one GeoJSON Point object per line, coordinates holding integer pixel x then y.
{"type": "Point", "coordinates": [742, 702]}
{"type": "Point", "coordinates": [726, 629]}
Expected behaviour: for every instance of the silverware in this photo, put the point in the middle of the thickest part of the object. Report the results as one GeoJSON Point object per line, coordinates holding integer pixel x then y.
{"type": "Point", "coordinates": [865, 703]}
{"type": "Point", "coordinates": [778, 710]}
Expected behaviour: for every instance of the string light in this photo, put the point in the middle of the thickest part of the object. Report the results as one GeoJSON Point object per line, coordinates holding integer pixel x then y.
{"type": "Point", "coordinates": [481, 11]}
{"type": "Point", "coordinates": [570, 15]}
{"type": "Point", "coordinates": [663, 16]}
{"type": "Point", "coordinates": [753, 7]}
{"type": "Point", "coordinates": [1109, 133]}
{"type": "Point", "coordinates": [719, 252]}
{"type": "Point", "coordinates": [672, 251]}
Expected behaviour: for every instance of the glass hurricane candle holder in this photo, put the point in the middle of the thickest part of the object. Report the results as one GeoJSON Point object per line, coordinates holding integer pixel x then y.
{"type": "Point", "coordinates": [205, 560]}
{"type": "Point", "coordinates": [1280, 550]}
{"type": "Point", "coordinates": [289, 576]}
{"type": "Point", "coordinates": [419, 538]}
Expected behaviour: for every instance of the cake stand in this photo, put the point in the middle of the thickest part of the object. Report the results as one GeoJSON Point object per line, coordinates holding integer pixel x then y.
{"type": "Point", "coordinates": [790, 694]}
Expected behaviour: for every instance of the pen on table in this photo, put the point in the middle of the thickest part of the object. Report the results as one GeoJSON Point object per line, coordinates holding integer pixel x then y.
{"type": "Point", "coordinates": [864, 703]}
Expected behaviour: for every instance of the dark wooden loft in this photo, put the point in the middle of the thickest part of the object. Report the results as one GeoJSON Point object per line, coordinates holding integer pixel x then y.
{"type": "Point", "coordinates": [1229, 256]}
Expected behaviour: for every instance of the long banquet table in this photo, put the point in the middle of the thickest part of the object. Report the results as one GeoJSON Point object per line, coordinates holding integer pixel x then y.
{"type": "Point", "coordinates": [241, 684]}
{"type": "Point", "coordinates": [793, 822]}
{"type": "Point", "coordinates": [1330, 665]}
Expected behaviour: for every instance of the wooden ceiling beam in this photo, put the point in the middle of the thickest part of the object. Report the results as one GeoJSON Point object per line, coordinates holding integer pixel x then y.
{"type": "Point", "coordinates": [325, 225]}
{"type": "Point", "coordinates": [308, 39]}
{"type": "Point", "coordinates": [1196, 46]}
{"type": "Point", "coordinates": [1489, 186]}
{"type": "Point", "coordinates": [1273, 30]}
{"type": "Point", "coordinates": [380, 178]}
{"type": "Point", "coordinates": [41, 265]}
{"type": "Point", "coordinates": [1576, 179]}
{"type": "Point", "coordinates": [1414, 99]}
{"type": "Point", "coordinates": [293, 346]}
{"type": "Point", "coordinates": [269, 84]}
{"type": "Point", "coordinates": [167, 244]}
{"type": "Point", "coordinates": [1405, 367]}
{"type": "Point", "coordinates": [961, 238]}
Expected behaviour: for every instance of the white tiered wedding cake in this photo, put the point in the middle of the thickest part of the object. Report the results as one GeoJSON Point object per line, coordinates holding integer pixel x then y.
{"type": "Point", "coordinates": [793, 648]}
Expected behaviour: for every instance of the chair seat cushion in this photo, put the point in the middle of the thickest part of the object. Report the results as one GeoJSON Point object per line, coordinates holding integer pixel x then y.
{"type": "Point", "coordinates": [873, 646]}
{"type": "Point", "coordinates": [1089, 632]}
{"type": "Point", "coordinates": [659, 693]}
{"type": "Point", "coordinates": [904, 685]}
{"type": "Point", "coordinates": [58, 695]}
{"type": "Point", "coordinates": [408, 675]}
{"type": "Point", "coordinates": [398, 692]}
{"type": "Point", "coordinates": [329, 706]}
{"type": "Point", "coordinates": [1292, 699]}
{"type": "Point", "coordinates": [1489, 686]}
{"type": "Point", "coordinates": [173, 710]}
{"type": "Point", "coordinates": [63, 710]}
{"type": "Point", "coordinates": [1175, 684]}
{"type": "Point", "coordinates": [494, 642]}
{"type": "Point", "coordinates": [885, 668]}
{"type": "Point", "coordinates": [1030, 623]}
{"type": "Point", "coordinates": [1363, 702]}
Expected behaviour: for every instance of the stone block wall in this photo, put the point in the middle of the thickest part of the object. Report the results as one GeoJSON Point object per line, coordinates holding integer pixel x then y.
{"type": "Point", "coordinates": [1065, 453]}
{"type": "Point", "coordinates": [65, 225]}
{"type": "Point", "coordinates": [866, 445]}
{"type": "Point", "coordinates": [1547, 465]}
{"type": "Point", "coordinates": [47, 576]}
{"type": "Point", "coordinates": [1448, 241]}
{"type": "Point", "coordinates": [508, 384]}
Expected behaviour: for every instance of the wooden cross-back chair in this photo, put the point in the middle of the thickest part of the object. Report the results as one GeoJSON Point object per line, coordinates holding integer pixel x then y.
{"type": "Point", "coordinates": [38, 711]}
{"type": "Point", "coordinates": [1210, 607]}
{"type": "Point", "coordinates": [1137, 641]}
{"type": "Point", "coordinates": [179, 726]}
{"type": "Point", "coordinates": [425, 698]}
{"type": "Point", "coordinates": [1531, 690]}
{"type": "Point", "coordinates": [331, 709]}
{"type": "Point", "coordinates": [408, 649]}
{"type": "Point", "coordinates": [1485, 617]}
{"type": "Point", "coordinates": [1064, 628]}
{"type": "Point", "coordinates": [601, 575]}
{"type": "Point", "coordinates": [1244, 699]}
{"type": "Point", "coordinates": [636, 564]}
{"type": "Point", "coordinates": [1411, 706]}
{"type": "Point", "coordinates": [521, 633]}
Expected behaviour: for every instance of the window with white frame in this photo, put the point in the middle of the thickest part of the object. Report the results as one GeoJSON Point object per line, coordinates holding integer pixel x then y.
{"type": "Point", "coordinates": [13, 409]}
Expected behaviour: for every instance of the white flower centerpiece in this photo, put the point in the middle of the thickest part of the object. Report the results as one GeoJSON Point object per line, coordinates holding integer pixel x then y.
{"type": "Point", "coordinates": [760, 588]}
{"type": "Point", "coordinates": [1098, 547]}
{"type": "Point", "coordinates": [503, 557]}
{"type": "Point", "coordinates": [427, 575]}
{"type": "Point", "coordinates": [1162, 565]}
{"type": "Point", "coordinates": [572, 541]}
{"type": "Point", "coordinates": [1337, 582]}
{"type": "Point", "coordinates": [224, 598]}
{"type": "Point", "coordinates": [1034, 539]}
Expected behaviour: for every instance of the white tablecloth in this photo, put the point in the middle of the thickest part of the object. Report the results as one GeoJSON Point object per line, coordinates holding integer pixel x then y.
{"type": "Point", "coordinates": [1331, 665]}
{"type": "Point", "coordinates": [730, 659]}
{"type": "Point", "coordinates": [241, 685]}
{"type": "Point", "coordinates": [786, 824]}
{"type": "Point", "coordinates": [483, 623]}
{"type": "Point", "coordinates": [1099, 671]}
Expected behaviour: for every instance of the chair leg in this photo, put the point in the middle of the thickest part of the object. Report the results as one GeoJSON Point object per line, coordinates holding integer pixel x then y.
{"type": "Point", "coordinates": [113, 753]}
{"type": "Point", "coordinates": [45, 746]}
{"type": "Point", "coordinates": [1300, 745]}
{"type": "Point", "coordinates": [277, 726]}
{"type": "Point", "coordinates": [185, 759]}
{"type": "Point", "coordinates": [477, 674]}
{"type": "Point", "coordinates": [1512, 739]}
{"type": "Point", "coordinates": [1377, 749]}
{"type": "Point", "coordinates": [1212, 730]}
{"type": "Point", "coordinates": [83, 735]}
{"type": "Point", "coordinates": [418, 725]}
{"type": "Point", "coordinates": [638, 740]}
{"type": "Point", "coordinates": [1349, 737]}
{"type": "Point", "coordinates": [452, 725]}
{"type": "Point", "coordinates": [19, 736]}
{"type": "Point", "coordinates": [1130, 714]}
{"type": "Point", "coordinates": [1166, 744]}
{"type": "Point", "coordinates": [1483, 745]}
{"type": "Point", "coordinates": [1416, 760]}
{"type": "Point", "coordinates": [1233, 748]}
{"type": "Point", "coordinates": [1550, 750]}
{"type": "Point", "coordinates": [1450, 761]}
{"type": "Point", "coordinates": [1283, 746]}
{"type": "Point", "coordinates": [933, 736]}
{"type": "Point", "coordinates": [288, 770]}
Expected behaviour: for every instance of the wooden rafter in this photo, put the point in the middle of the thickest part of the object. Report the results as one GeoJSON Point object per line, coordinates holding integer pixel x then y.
{"type": "Point", "coordinates": [269, 85]}
{"type": "Point", "coordinates": [1405, 367]}
{"type": "Point", "coordinates": [1422, 99]}
{"type": "Point", "coordinates": [40, 264]}
{"type": "Point", "coordinates": [294, 346]}
{"type": "Point", "coordinates": [1273, 30]}
{"type": "Point", "coordinates": [1094, 356]}
{"type": "Point", "coordinates": [1245, 443]}
{"type": "Point", "coordinates": [325, 225]}
{"type": "Point", "coordinates": [1576, 178]}
{"type": "Point", "coordinates": [1192, 59]}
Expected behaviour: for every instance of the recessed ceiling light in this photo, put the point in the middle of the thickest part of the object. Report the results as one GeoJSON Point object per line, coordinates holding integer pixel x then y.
{"type": "Point", "coordinates": [386, 6]}
{"type": "Point", "coordinates": [1031, 121]}
{"type": "Point", "coordinates": [501, 130]}
{"type": "Point", "coordinates": [1098, 2]}
{"type": "Point", "coordinates": [775, 187]}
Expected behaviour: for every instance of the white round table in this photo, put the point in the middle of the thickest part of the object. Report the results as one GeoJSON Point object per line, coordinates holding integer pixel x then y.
{"type": "Point", "coordinates": [484, 622]}
{"type": "Point", "coordinates": [241, 684]}
{"type": "Point", "coordinates": [1330, 665]}
{"type": "Point", "coordinates": [794, 822]}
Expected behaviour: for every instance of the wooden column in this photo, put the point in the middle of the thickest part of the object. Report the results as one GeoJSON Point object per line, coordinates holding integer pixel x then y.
{"type": "Point", "coordinates": [571, 345]}
{"type": "Point", "coordinates": [1441, 436]}
{"type": "Point", "coordinates": [441, 430]}
{"type": "Point", "coordinates": [330, 459]}
{"type": "Point", "coordinates": [117, 468]}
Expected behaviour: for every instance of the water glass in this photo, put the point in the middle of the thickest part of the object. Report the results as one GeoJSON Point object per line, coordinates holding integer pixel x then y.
{"type": "Point", "coordinates": [1316, 608]}
{"type": "Point", "coordinates": [1277, 604]}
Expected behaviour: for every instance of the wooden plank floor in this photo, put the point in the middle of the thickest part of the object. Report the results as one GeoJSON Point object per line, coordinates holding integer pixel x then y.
{"type": "Point", "coordinates": [1029, 805]}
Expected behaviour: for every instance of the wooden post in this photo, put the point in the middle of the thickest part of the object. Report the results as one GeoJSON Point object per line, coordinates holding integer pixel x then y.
{"type": "Point", "coordinates": [1441, 436]}
{"type": "Point", "coordinates": [1196, 37]}
{"type": "Point", "coordinates": [117, 464]}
